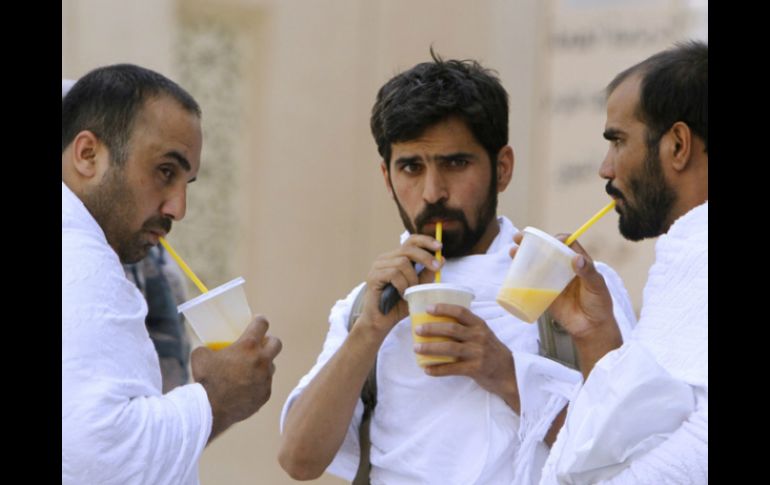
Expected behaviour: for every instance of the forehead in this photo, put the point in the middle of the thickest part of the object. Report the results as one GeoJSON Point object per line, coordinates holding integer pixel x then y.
{"type": "Point", "coordinates": [447, 136]}
{"type": "Point", "coordinates": [623, 102]}
{"type": "Point", "coordinates": [163, 126]}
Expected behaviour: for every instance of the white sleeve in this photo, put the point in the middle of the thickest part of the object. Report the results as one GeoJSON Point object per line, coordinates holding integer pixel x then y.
{"type": "Point", "coordinates": [682, 459]}
{"type": "Point", "coordinates": [346, 460]}
{"type": "Point", "coordinates": [117, 427]}
{"type": "Point", "coordinates": [634, 423]}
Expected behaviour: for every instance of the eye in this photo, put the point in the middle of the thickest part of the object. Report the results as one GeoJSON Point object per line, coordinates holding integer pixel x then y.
{"type": "Point", "coordinates": [410, 167]}
{"type": "Point", "coordinates": [167, 173]}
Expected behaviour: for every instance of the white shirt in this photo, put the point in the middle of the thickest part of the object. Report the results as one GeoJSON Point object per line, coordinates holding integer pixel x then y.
{"type": "Point", "coordinates": [449, 430]}
{"type": "Point", "coordinates": [642, 415]}
{"type": "Point", "coordinates": [117, 428]}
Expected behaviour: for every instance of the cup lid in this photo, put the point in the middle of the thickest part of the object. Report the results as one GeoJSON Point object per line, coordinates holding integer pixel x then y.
{"type": "Point", "coordinates": [559, 245]}
{"type": "Point", "coordinates": [438, 286]}
{"type": "Point", "coordinates": [211, 294]}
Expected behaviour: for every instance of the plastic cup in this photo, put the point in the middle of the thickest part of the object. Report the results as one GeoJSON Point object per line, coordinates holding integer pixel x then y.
{"type": "Point", "coordinates": [539, 272]}
{"type": "Point", "coordinates": [220, 315]}
{"type": "Point", "coordinates": [419, 297]}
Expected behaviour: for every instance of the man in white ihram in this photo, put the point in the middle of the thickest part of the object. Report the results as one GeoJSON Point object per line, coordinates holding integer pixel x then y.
{"type": "Point", "coordinates": [442, 131]}
{"type": "Point", "coordinates": [642, 415]}
{"type": "Point", "coordinates": [131, 142]}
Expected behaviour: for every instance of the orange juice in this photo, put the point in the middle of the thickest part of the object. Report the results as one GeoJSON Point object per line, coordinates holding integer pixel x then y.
{"type": "Point", "coordinates": [422, 318]}
{"type": "Point", "coordinates": [526, 303]}
{"type": "Point", "coordinates": [217, 345]}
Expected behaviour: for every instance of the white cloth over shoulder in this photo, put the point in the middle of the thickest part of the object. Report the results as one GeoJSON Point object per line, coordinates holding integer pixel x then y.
{"type": "Point", "coordinates": [642, 415]}
{"type": "Point", "coordinates": [117, 428]}
{"type": "Point", "coordinates": [449, 430]}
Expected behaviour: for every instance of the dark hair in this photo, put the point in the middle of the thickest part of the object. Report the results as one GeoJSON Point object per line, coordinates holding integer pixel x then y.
{"type": "Point", "coordinates": [674, 87]}
{"type": "Point", "coordinates": [430, 92]}
{"type": "Point", "coordinates": [106, 101]}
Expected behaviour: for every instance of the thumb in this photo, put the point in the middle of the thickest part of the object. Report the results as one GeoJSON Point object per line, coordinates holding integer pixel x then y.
{"type": "Point", "coordinates": [256, 329]}
{"type": "Point", "coordinates": [585, 269]}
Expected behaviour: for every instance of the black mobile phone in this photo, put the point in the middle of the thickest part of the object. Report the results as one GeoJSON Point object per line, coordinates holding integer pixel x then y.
{"type": "Point", "coordinates": [388, 299]}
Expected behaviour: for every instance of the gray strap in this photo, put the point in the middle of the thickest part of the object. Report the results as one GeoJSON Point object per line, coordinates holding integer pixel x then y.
{"type": "Point", "coordinates": [555, 343]}
{"type": "Point", "coordinates": [369, 398]}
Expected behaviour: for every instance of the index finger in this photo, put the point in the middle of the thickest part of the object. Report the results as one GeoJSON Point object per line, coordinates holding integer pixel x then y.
{"type": "Point", "coordinates": [463, 315]}
{"type": "Point", "coordinates": [423, 241]}
{"type": "Point", "coordinates": [517, 241]}
{"type": "Point", "coordinates": [272, 346]}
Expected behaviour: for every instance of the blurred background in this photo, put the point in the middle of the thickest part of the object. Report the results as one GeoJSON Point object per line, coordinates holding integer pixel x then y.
{"type": "Point", "coordinates": [290, 195]}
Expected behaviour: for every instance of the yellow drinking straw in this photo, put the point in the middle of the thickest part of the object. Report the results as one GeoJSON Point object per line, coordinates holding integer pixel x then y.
{"type": "Point", "coordinates": [184, 266]}
{"type": "Point", "coordinates": [589, 223]}
{"type": "Point", "coordinates": [438, 252]}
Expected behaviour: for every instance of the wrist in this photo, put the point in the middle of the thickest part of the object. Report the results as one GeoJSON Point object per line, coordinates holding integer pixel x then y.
{"type": "Point", "coordinates": [507, 387]}
{"type": "Point", "coordinates": [597, 331]}
{"type": "Point", "coordinates": [368, 332]}
{"type": "Point", "coordinates": [510, 394]}
{"type": "Point", "coordinates": [604, 333]}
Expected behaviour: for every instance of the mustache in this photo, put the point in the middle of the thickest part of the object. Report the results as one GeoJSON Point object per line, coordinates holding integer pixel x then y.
{"type": "Point", "coordinates": [158, 223]}
{"type": "Point", "coordinates": [613, 191]}
{"type": "Point", "coordinates": [437, 211]}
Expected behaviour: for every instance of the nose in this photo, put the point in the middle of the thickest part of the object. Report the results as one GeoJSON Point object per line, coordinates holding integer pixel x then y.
{"type": "Point", "coordinates": [434, 188]}
{"type": "Point", "coordinates": [607, 169]}
{"type": "Point", "coordinates": [175, 206]}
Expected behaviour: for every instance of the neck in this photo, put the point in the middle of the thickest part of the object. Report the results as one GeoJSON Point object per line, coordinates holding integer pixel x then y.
{"type": "Point", "coordinates": [491, 232]}
{"type": "Point", "coordinates": [692, 190]}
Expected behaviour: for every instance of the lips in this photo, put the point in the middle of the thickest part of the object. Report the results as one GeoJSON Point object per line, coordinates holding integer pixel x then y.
{"type": "Point", "coordinates": [430, 225]}
{"type": "Point", "coordinates": [156, 234]}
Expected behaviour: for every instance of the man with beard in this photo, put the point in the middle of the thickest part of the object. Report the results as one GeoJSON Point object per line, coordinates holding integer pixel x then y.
{"type": "Point", "coordinates": [161, 282]}
{"type": "Point", "coordinates": [131, 142]}
{"type": "Point", "coordinates": [641, 417]}
{"type": "Point", "coordinates": [442, 131]}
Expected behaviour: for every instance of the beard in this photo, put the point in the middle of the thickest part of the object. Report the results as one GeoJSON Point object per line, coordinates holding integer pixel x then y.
{"type": "Point", "coordinates": [113, 204]}
{"type": "Point", "coordinates": [455, 242]}
{"type": "Point", "coordinates": [647, 216]}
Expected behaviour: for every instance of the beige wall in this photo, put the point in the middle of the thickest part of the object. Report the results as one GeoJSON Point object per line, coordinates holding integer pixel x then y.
{"type": "Point", "coordinates": [290, 195]}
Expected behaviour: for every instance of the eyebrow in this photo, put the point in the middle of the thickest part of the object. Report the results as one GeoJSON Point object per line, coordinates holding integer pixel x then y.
{"type": "Point", "coordinates": [440, 158]}
{"type": "Point", "coordinates": [182, 161]}
{"type": "Point", "coordinates": [455, 156]}
{"type": "Point", "coordinates": [611, 133]}
{"type": "Point", "coordinates": [405, 160]}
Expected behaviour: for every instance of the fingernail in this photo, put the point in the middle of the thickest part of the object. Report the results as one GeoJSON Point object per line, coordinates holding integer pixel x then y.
{"type": "Point", "coordinates": [581, 262]}
{"type": "Point", "coordinates": [437, 244]}
{"type": "Point", "coordinates": [417, 348]}
{"type": "Point", "coordinates": [435, 264]}
{"type": "Point", "coordinates": [430, 308]}
{"type": "Point", "coordinates": [418, 329]}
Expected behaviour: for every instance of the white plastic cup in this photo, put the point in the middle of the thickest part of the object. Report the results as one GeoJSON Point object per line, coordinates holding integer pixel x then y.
{"type": "Point", "coordinates": [541, 269]}
{"type": "Point", "coordinates": [419, 297]}
{"type": "Point", "coordinates": [220, 315]}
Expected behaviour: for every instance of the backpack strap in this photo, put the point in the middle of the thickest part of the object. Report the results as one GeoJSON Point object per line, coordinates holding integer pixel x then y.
{"type": "Point", "coordinates": [555, 343]}
{"type": "Point", "coordinates": [369, 398]}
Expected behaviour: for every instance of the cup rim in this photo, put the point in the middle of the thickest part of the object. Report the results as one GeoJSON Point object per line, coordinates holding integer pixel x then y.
{"type": "Point", "coordinates": [438, 286]}
{"type": "Point", "coordinates": [211, 293]}
{"type": "Point", "coordinates": [559, 245]}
